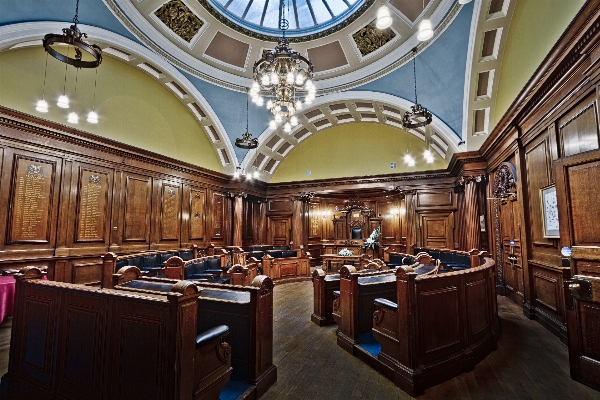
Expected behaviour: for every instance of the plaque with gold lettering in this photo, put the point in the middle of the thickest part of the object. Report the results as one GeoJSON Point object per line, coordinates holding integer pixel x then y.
{"type": "Point", "coordinates": [218, 205]}
{"type": "Point", "coordinates": [31, 207]}
{"type": "Point", "coordinates": [197, 214]}
{"type": "Point", "coordinates": [170, 213]}
{"type": "Point", "coordinates": [92, 200]}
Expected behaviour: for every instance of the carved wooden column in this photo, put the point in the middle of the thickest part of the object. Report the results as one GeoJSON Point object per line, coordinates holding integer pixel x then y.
{"type": "Point", "coordinates": [238, 221]}
{"type": "Point", "coordinates": [469, 237]}
{"type": "Point", "coordinates": [409, 217]}
{"type": "Point", "coordinates": [300, 219]}
{"type": "Point", "coordinates": [261, 223]}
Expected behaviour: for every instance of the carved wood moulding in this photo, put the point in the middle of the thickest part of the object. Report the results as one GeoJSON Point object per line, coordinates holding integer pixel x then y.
{"type": "Point", "coordinates": [355, 204]}
{"type": "Point", "coordinates": [505, 181]}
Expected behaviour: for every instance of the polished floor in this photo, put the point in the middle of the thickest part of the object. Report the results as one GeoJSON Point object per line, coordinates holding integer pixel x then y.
{"type": "Point", "coordinates": [530, 363]}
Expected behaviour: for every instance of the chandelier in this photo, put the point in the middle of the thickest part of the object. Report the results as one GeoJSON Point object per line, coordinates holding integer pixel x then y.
{"type": "Point", "coordinates": [418, 116]}
{"type": "Point", "coordinates": [246, 141]}
{"type": "Point", "coordinates": [73, 36]}
{"type": "Point", "coordinates": [286, 76]}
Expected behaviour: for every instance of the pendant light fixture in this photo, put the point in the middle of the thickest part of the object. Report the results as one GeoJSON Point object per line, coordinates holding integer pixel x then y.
{"type": "Point", "coordinates": [73, 117]}
{"type": "Point", "coordinates": [425, 28]}
{"type": "Point", "coordinates": [418, 117]}
{"type": "Point", "coordinates": [246, 141]}
{"type": "Point", "coordinates": [384, 18]}
{"type": "Point", "coordinates": [42, 105]}
{"type": "Point", "coordinates": [63, 100]}
{"type": "Point", "coordinates": [92, 117]}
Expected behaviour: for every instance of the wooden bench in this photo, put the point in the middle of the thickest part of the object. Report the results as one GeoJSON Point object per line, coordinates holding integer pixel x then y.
{"type": "Point", "coordinates": [243, 275]}
{"type": "Point", "coordinates": [81, 342]}
{"type": "Point", "coordinates": [247, 310]}
{"type": "Point", "coordinates": [323, 287]}
{"type": "Point", "coordinates": [289, 268]}
{"type": "Point", "coordinates": [453, 260]}
{"type": "Point", "coordinates": [437, 327]}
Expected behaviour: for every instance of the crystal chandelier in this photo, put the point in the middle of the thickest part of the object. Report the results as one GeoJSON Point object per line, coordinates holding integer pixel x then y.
{"type": "Point", "coordinates": [286, 76]}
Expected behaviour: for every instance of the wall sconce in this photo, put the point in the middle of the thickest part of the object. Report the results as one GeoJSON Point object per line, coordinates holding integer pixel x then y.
{"type": "Point", "coordinates": [395, 211]}
{"type": "Point", "coordinates": [325, 213]}
{"type": "Point", "coordinates": [402, 211]}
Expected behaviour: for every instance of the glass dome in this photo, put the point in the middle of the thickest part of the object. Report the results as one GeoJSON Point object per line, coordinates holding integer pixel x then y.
{"type": "Point", "coordinates": [306, 18]}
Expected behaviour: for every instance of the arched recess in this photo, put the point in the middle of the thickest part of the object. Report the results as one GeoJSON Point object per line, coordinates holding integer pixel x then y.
{"type": "Point", "coordinates": [339, 108]}
{"type": "Point", "coordinates": [30, 34]}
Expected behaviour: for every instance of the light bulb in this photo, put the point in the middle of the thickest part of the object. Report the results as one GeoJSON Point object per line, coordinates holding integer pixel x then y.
{"type": "Point", "coordinates": [272, 124]}
{"type": "Point", "coordinates": [427, 154]}
{"type": "Point", "coordinates": [63, 101]}
{"type": "Point", "coordinates": [274, 79]}
{"type": "Point", "coordinates": [291, 110]}
{"type": "Point", "coordinates": [236, 174]}
{"type": "Point", "coordinates": [407, 158]}
{"type": "Point", "coordinates": [254, 100]}
{"type": "Point", "coordinates": [287, 127]}
{"type": "Point", "coordinates": [294, 120]}
{"type": "Point", "coordinates": [277, 108]}
{"type": "Point", "coordinates": [298, 105]}
{"type": "Point", "coordinates": [92, 117]}
{"type": "Point", "coordinates": [411, 163]}
{"type": "Point", "coordinates": [249, 176]}
{"type": "Point", "coordinates": [299, 79]}
{"type": "Point", "coordinates": [384, 19]}
{"type": "Point", "coordinates": [42, 106]}
{"type": "Point", "coordinates": [254, 96]}
{"type": "Point", "coordinates": [429, 160]}
{"type": "Point", "coordinates": [270, 104]}
{"type": "Point", "coordinates": [265, 80]}
{"type": "Point", "coordinates": [256, 174]}
{"type": "Point", "coordinates": [255, 87]}
{"type": "Point", "coordinates": [308, 100]}
{"type": "Point", "coordinates": [289, 79]}
{"type": "Point", "coordinates": [73, 118]}
{"type": "Point", "coordinates": [425, 30]}
{"type": "Point", "coordinates": [260, 102]}
{"type": "Point", "coordinates": [277, 118]}
{"type": "Point", "coordinates": [308, 84]}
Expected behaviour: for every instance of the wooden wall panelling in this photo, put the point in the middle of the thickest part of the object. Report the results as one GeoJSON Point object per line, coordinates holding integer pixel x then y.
{"type": "Point", "coordinates": [218, 217]}
{"type": "Point", "coordinates": [137, 211]}
{"type": "Point", "coordinates": [90, 209]}
{"type": "Point", "coordinates": [461, 219]}
{"type": "Point", "coordinates": [435, 199]}
{"type": "Point", "coordinates": [116, 228]}
{"type": "Point", "coordinates": [167, 212]}
{"type": "Point", "coordinates": [33, 201]}
{"type": "Point", "coordinates": [389, 211]}
{"type": "Point", "coordinates": [578, 129]}
{"type": "Point", "coordinates": [196, 215]}
{"type": "Point", "coordinates": [247, 222]}
{"type": "Point", "coordinates": [316, 221]}
{"type": "Point", "coordinates": [66, 195]}
{"type": "Point", "coordinates": [279, 230]}
{"type": "Point", "coordinates": [436, 229]}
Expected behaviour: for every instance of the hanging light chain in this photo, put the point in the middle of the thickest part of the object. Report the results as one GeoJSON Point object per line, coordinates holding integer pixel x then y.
{"type": "Point", "coordinates": [75, 18]}
{"type": "Point", "coordinates": [415, 75]}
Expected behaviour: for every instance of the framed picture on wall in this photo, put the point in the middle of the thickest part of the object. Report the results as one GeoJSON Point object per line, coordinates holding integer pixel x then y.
{"type": "Point", "coordinates": [549, 212]}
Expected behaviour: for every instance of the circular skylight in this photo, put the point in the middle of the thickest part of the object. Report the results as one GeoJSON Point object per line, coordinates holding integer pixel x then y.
{"type": "Point", "coordinates": [306, 18]}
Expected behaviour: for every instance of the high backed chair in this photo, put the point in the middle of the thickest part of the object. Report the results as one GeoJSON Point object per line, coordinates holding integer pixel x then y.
{"type": "Point", "coordinates": [356, 233]}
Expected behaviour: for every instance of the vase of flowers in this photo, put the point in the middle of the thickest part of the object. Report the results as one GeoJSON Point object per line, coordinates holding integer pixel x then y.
{"type": "Point", "coordinates": [345, 253]}
{"type": "Point", "coordinates": [372, 242]}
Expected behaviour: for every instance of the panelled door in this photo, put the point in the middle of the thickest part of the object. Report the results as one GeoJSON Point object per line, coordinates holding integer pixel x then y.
{"type": "Point", "coordinates": [577, 193]}
{"type": "Point", "coordinates": [437, 230]}
{"type": "Point", "coordinates": [279, 231]}
{"type": "Point", "coordinates": [510, 232]}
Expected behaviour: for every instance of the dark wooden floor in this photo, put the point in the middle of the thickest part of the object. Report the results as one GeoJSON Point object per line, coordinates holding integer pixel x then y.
{"type": "Point", "coordinates": [530, 362]}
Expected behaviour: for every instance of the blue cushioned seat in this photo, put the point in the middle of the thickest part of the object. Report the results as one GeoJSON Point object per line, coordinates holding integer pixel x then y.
{"type": "Point", "coordinates": [186, 255]}
{"type": "Point", "coordinates": [165, 256]}
{"type": "Point", "coordinates": [286, 254]}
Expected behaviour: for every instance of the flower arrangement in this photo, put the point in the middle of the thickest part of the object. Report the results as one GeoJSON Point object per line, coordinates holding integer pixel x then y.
{"type": "Point", "coordinates": [345, 252]}
{"type": "Point", "coordinates": [373, 240]}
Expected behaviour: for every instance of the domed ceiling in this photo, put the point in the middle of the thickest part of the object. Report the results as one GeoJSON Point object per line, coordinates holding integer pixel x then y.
{"type": "Point", "coordinates": [219, 40]}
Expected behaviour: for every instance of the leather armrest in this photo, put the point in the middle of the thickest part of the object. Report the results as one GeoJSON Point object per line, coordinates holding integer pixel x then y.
{"type": "Point", "coordinates": [216, 333]}
{"type": "Point", "coordinates": [386, 304]}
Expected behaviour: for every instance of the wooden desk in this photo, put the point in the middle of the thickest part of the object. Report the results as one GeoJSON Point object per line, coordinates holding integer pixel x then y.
{"type": "Point", "coordinates": [347, 260]}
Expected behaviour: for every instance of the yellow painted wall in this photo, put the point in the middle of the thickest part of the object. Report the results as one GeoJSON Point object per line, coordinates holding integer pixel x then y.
{"type": "Point", "coordinates": [535, 28]}
{"type": "Point", "coordinates": [353, 149]}
{"type": "Point", "coordinates": [132, 107]}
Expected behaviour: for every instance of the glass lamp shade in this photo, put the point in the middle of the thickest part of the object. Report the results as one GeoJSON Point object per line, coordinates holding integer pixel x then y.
{"type": "Point", "coordinates": [63, 101]}
{"type": "Point", "coordinates": [42, 106]}
{"type": "Point", "coordinates": [272, 124]}
{"type": "Point", "coordinates": [287, 127]}
{"type": "Point", "coordinates": [73, 118]}
{"type": "Point", "coordinates": [384, 19]}
{"type": "Point", "coordinates": [236, 174]}
{"type": "Point", "coordinates": [425, 30]}
{"type": "Point", "coordinates": [256, 174]}
{"type": "Point", "coordinates": [294, 120]}
{"type": "Point", "coordinates": [92, 117]}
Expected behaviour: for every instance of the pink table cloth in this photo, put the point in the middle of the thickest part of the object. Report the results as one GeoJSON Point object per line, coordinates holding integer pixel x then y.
{"type": "Point", "coordinates": [7, 296]}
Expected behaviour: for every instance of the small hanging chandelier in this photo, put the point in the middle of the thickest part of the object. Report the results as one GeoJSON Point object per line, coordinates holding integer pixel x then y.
{"type": "Point", "coordinates": [286, 75]}
{"type": "Point", "coordinates": [418, 116]}
{"type": "Point", "coordinates": [246, 141]}
{"type": "Point", "coordinates": [72, 36]}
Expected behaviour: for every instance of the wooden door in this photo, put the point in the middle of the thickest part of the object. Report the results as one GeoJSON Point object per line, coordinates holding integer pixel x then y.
{"type": "Point", "coordinates": [279, 231]}
{"type": "Point", "coordinates": [578, 212]}
{"type": "Point", "coordinates": [437, 230]}
{"type": "Point", "coordinates": [510, 232]}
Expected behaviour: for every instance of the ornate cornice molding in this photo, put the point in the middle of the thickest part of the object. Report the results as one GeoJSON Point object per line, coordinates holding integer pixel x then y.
{"type": "Point", "coordinates": [239, 194]}
{"type": "Point", "coordinates": [304, 197]}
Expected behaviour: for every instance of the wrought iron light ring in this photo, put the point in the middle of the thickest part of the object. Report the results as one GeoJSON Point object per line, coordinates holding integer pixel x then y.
{"type": "Point", "coordinates": [72, 36]}
{"type": "Point", "coordinates": [246, 141]}
{"type": "Point", "coordinates": [417, 118]}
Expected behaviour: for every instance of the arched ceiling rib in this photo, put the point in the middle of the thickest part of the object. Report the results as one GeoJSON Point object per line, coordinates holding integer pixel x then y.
{"type": "Point", "coordinates": [340, 108]}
